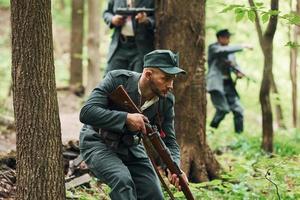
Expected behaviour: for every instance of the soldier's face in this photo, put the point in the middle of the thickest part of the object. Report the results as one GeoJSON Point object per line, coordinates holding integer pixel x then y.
{"type": "Point", "coordinates": [161, 83]}
{"type": "Point", "coordinates": [224, 40]}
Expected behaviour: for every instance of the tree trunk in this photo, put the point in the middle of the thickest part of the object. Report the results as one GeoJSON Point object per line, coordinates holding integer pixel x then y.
{"type": "Point", "coordinates": [185, 33]}
{"type": "Point", "coordinates": [62, 4]}
{"type": "Point", "coordinates": [293, 68]}
{"type": "Point", "coordinates": [266, 44]}
{"type": "Point", "coordinates": [264, 97]}
{"type": "Point", "coordinates": [76, 45]}
{"type": "Point", "coordinates": [93, 73]}
{"type": "Point", "coordinates": [39, 149]}
{"type": "Point", "coordinates": [279, 112]}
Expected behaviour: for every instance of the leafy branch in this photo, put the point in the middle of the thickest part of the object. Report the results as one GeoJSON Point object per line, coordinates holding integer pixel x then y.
{"type": "Point", "coordinates": [241, 10]}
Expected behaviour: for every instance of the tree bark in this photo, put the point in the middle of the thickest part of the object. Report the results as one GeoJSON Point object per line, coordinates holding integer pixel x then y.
{"type": "Point", "coordinates": [279, 112]}
{"type": "Point", "coordinates": [185, 33]}
{"type": "Point", "coordinates": [266, 43]}
{"type": "Point", "coordinates": [293, 68]}
{"type": "Point", "coordinates": [93, 73]}
{"type": "Point", "coordinates": [39, 148]}
{"type": "Point", "coordinates": [76, 45]}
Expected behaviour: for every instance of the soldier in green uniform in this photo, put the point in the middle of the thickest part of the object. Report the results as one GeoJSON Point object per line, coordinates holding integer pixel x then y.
{"type": "Point", "coordinates": [133, 36]}
{"type": "Point", "coordinates": [125, 166]}
{"type": "Point", "coordinates": [221, 63]}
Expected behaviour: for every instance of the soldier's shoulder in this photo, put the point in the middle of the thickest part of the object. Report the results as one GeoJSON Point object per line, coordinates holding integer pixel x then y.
{"type": "Point", "coordinates": [122, 73]}
{"type": "Point", "coordinates": [213, 45]}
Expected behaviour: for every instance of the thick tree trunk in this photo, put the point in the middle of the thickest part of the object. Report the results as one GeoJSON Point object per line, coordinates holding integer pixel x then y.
{"type": "Point", "coordinates": [185, 33]}
{"type": "Point", "coordinates": [93, 73]}
{"type": "Point", "coordinates": [76, 45]}
{"type": "Point", "coordinates": [39, 149]}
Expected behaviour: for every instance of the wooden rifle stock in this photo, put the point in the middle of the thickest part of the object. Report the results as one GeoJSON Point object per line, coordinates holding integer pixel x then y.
{"type": "Point", "coordinates": [120, 97]}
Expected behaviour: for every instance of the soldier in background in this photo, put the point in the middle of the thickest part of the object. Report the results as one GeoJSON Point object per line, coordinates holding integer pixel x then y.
{"type": "Point", "coordinates": [221, 64]}
{"type": "Point", "coordinates": [133, 36]}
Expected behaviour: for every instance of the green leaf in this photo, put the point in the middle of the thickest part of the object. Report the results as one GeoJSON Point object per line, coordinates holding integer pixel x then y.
{"type": "Point", "coordinates": [216, 182]}
{"type": "Point", "coordinates": [292, 44]}
{"type": "Point", "coordinates": [265, 17]}
{"type": "Point", "coordinates": [231, 7]}
{"type": "Point", "coordinates": [239, 14]}
{"type": "Point", "coordinates": [251, 15]}
{"type": "Point", "coordinates": [274, 12]}
{"type": "Point", "coordinates": [259, 4]}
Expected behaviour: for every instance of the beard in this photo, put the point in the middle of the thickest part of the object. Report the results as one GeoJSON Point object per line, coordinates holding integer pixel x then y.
{"type": "Point", "coordinates": [155, 89]}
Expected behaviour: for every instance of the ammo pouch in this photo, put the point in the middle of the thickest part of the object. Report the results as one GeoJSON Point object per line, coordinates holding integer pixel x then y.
{"type": "Point", "coordinates": [114, 140]}
{"type": "Point", "coordinates": [111, 139]}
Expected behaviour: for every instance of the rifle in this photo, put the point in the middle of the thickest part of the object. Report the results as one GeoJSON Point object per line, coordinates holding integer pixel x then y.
{"type": "Point", "coordinates": [133, 11]}
{"type": "Point", "coordinates": [120, 97]}
{"type": "Point", "coordinates": [234, 68]}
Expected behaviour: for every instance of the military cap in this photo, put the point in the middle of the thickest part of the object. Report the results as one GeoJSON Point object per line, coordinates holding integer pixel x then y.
{"type": "Point", "coordinates": [223, 33]}
{"type": "Point", "coordinates": [165, 60]}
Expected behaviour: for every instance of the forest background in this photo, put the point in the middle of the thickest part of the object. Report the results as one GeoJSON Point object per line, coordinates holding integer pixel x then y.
{"type": "Point", "coordinates": [248, 170]}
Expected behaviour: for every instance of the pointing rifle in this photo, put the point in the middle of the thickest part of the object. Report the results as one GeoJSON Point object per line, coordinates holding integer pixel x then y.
{"type": "Point", "coordinates": [120, 97]}
{"type": "Point", "coordinates": [133, 11]}
{"type": "Point", "coordinates": [233, 67]}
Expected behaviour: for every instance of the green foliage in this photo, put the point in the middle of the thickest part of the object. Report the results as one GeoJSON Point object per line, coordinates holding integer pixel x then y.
{"type": "Point", "coordinates": [292, 44]}
{"type": "Point", "coordinates": [248, 172]}
{"type": "Point", "coordinates": [241, 9]}
{"type": "Point", "coordinates": [95, 192]}
{"type": "Point", "coordinates": [4, 3]}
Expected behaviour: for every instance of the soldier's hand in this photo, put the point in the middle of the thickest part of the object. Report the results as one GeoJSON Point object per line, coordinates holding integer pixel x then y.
{"type": "Point", "coordinates": [141, 17]}
{"type": "Point", "coordinates": [239, 75]}
{"type": "Point", "coordinates": [136, 122]}
{"type": "Point", "coordinates": [247, 46]}
{"type": "Point", "coordinates": [118, 20]}
{"type": "Point", "coordinates": [174, 180]}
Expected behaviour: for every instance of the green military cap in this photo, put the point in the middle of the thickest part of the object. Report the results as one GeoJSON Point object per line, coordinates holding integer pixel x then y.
{"type": "Point", "coordinates": [165, 60]}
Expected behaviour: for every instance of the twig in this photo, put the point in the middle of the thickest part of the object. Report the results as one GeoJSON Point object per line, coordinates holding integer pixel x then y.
{"type": "Point", "coordinates": [277, 191]}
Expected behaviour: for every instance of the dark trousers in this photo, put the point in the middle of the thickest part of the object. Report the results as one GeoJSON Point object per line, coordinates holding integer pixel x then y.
{"type": "Point", "coordinates": [224, 103]}
{"type": "Point", "coordinates": [129, 178]}
{"type": "Point", "coordinates": [126, 57]}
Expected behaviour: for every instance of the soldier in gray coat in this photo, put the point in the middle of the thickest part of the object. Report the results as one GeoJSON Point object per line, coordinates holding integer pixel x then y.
{"type": "Point", "coordinates": [221, 64]}
{"type": "Point", "coordinates": [120, 162]}
{"type": "Point", "coordinates": [133, 36]}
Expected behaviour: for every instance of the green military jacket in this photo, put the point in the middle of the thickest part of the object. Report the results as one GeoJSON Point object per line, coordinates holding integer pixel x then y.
{"type": "Point", "coordinates": [100, 112]}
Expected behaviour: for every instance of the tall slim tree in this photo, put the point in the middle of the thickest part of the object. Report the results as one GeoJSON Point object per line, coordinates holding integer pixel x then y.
{"type": "Point", "coordinates": [93, 72]}
{"type": "Point", "coordinates": [185, 33]}
{"type": "Point", "coordinates": [39, 148]}
{"type": "Point", "coordinates": [76, 46]}
{"type": "Point", "coordinates": [266, 43]}
{"type": "Point", "coordinates": [293, 67]}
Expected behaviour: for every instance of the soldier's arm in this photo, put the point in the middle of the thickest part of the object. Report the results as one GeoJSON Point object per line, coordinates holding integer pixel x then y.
{"type": "Point", "coordinates": [108, 13]}
{"type": "Point", "coordinates": [95, 112]}
{"type": "Point", "coordinates": [218, 50]}
{"type": "Point", "coordinates": [168, 128]}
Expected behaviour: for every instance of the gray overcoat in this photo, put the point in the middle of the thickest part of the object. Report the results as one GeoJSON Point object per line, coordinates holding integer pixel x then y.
{"type": "Point", "coordinates": [216, 55]}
